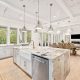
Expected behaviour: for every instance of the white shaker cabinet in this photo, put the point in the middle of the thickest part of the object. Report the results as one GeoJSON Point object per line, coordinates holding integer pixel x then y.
{"type": "Point", "coordinates": [15, 54]}
{"type": "Point", "coordinates": [6, 51]}
{"type": "Point", "coordinates": [29, 67]}
{"type": "Point", "coordinates": [23, 64]}
{"type": "Point", "coordinates": [23, 60]}
{"type": "Point", "coordinates": [2, 54]}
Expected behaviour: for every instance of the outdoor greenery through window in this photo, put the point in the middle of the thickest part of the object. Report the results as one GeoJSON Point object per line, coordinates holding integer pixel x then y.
{"type": "Point", "coordinates": [45, 39]}
{"type": "Point", "coordinates": [13, 36]}
{"type": "Point", "coordinates": [3, 38]}
{"type": "Point", "coordinates": [28, 36]}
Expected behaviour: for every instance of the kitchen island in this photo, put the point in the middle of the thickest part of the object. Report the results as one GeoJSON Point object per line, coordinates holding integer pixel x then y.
{"type": "Point", "coordinates": [58, 62]}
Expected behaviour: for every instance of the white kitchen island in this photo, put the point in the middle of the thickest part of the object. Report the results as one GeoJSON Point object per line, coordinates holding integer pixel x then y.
{"type": "Point", "coordinates": [59, 66]}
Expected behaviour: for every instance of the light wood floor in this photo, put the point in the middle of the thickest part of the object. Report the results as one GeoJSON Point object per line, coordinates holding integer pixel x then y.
{"type": "Point", "coordinates": [9, 71]}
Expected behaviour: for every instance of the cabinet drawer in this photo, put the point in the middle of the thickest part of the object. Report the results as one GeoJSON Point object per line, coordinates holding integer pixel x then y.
{"type": "Point", "coordinates": [23, 63]}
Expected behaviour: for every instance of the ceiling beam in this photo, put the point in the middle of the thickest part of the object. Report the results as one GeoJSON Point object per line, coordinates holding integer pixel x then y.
{"type": "Point", "coordinates": [19, 11]}
{"type": "Point", "coordinates": [62, 5]}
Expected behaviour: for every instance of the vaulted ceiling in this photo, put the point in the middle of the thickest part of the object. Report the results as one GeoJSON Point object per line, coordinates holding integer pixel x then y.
{"type": "Point", "coordinates": [62, 9]}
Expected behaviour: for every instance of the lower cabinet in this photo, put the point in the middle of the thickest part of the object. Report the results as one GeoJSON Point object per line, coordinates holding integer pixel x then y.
{"type": "Point", "coordinates": [29, 67]}
{"type": "Point", "coordinates": [61, 67]}
{"type": "Point", "coordinates": [57, 69]}
{"type": "Point", "coordinates": [22, 61]}
{"type": "Point", "coordinates": [2, 54]}
{"type": "Point", "coordinates": [15, 54]}
{"type": "Point", "coordinates": [66, 64]}
{"type": "Point", "coordinates": [26, 65]}
{"type": "Point", "coordinates": [6, 51]}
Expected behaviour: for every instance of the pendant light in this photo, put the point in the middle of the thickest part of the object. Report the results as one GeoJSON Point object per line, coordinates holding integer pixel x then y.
{"type": "Point", "coordinates": [24, 28]}
{"type": "Point", "coordinates": [50, 28]}
{"type": "Point", "coordinates": [38, 25]}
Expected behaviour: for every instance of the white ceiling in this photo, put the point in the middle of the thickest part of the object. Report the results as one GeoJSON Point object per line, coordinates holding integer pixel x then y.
{"type": "Point", "coordinates": [12, 9]}
{"type": "Point", "coordinates": [73, 6]}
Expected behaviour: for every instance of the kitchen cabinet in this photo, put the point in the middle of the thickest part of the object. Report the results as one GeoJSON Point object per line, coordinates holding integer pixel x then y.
{"type": "Point", "coordinates": [26, 65]}
{"type": "Point", "coordinates": [23, 60]}
{"type": "Point", "coordinates": [29, 67]}
{"type": "Point", "coordinates": [23, 64]}
{"type": "Point", "coordinates": [57, 71]}
{"type": "Point", "coordinates": [61, 67]}
{"type": "Point", "coordinates": [15, 54]}
{"type": "Point", "coordinates": [6, 51]}
{"type": "Point", "coordinates": [66, 64]}
{"type": "Point", "coordinates": [2, 54]}
{"type": "Point", "coordinates": [18, 60]}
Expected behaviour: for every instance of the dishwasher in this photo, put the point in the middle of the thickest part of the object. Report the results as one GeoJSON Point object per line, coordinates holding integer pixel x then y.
{"type": "Point", "coordinates": [40, 68]}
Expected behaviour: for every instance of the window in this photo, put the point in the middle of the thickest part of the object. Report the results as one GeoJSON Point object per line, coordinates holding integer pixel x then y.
{"type": "Point", "coordinates": [28, 36]}
{"type": "Point", "coordinates": [3, 38]}
{"type": "Point", "coordinates": [13, 36]}
{"type": "Point", "coordinates": [45, 39]}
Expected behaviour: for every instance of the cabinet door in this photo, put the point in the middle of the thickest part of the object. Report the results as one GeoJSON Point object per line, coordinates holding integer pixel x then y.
{"type": "Point", "coordinates": [15, 53]}
{"type": "Point", "coordinates": [11, 50]}
{"type": "Point", "coordinates": [57, 70]}
{"type": "Point", "coordinates": [7, 51]}
{"type": "Point", "coordinates": [29, 67]}
{"type": "Point", "coordinates": [66, 64]}
{"type": "Point", "coordinates": [18, 58]}
{"type": "Point", "coordinates": [23, 63]}
{"type": "Point", "coordinates": [2, 54]}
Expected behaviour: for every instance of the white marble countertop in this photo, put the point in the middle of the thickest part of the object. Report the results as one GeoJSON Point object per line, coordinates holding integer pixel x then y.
{"type": "Point", "coordinates": [49, 53]}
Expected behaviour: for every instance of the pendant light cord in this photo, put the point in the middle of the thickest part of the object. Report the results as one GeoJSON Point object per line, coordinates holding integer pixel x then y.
{"type": "Point", "coordinates": [38, 10]}
{"type": "Point", "coordinates": [36, 16]}
{"type": "Point", "coordinates": [50, 12]}
{"type": "Point", "coordinates": [24, 14]}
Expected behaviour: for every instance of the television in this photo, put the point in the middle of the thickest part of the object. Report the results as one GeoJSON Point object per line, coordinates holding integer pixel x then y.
{"type": "Point", "coordinates": [75, 36]}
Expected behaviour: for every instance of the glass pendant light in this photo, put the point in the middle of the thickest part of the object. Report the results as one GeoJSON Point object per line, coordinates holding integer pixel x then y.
{"type": "Point", "coordinates": [38, 25]}
{"type": "Point", "coordinates": [24, 28]}
{"type": "Point", "coordinates": [50, 28]}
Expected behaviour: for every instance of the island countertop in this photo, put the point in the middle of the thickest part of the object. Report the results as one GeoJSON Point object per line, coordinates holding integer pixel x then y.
{"type": "Point", "coordinates": [46, 52]}
{"type": "Point", "coordinates": [49, 53]}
